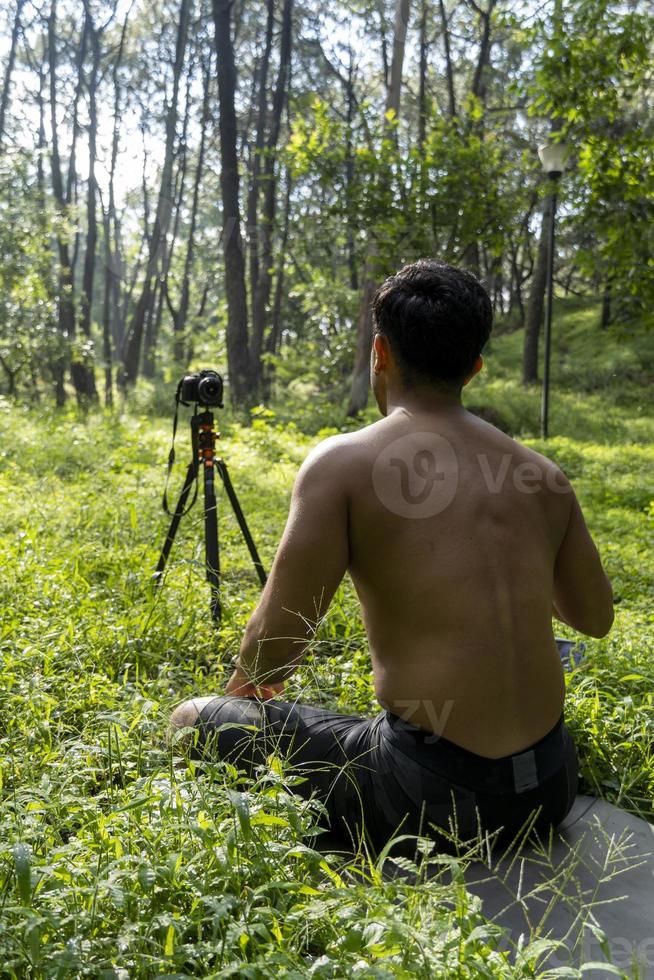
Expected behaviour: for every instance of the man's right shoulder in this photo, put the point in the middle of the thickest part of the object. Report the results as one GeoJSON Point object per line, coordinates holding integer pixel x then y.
{"type": "Point", "coordinates": [331, 453]}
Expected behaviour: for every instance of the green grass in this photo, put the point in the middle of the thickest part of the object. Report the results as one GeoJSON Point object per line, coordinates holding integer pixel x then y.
{"type": "Point", "coordinates": [598, 387]}
{"type": "Point", "coordinates": [115, 859]}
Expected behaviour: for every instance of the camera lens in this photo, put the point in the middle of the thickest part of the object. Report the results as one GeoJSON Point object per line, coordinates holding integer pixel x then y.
{"type": "Point", "coordinates": [210, 391]}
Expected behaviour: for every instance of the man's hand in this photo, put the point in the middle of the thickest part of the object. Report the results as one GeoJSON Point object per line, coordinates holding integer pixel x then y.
{"type": "Point", "coordinates": [239, 686]}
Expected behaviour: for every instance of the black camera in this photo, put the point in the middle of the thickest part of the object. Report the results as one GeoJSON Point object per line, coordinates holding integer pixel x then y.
{"type": "Point", "coordinates": [205, 388]}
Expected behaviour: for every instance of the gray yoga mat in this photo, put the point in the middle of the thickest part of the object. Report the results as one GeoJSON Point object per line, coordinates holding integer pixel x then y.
{"type": "Point", "coordinates": [595, 873]}
{"type": "Point", "coordinates": [589, 886]}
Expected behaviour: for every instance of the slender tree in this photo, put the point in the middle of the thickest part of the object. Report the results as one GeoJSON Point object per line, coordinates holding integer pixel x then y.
{"type": "Point", "coordinates": [478, 88]}
{"type": "Point", "coordinates": [113, 248]}
{"type": "Point", "coordinates": [236, 331]}
{"type": "Point", "coordinates": [80, 374]}
{"type": "Point", "coordinates": [360, 380]}
{"type": "Point", "coordinates": [6, 85]}
{"type": "Point", "coordinates": [260, 99]}
{"type": "Point", "coordinates": [536, 303]}
{"type": "Point", "coordinates": [131, 353]}
{"type": "Point", "coordinates": [273, 340]}
{"type": "Point", "coordinates": [86, 300]}
{"type": "Point", "coordinates": [449, 70]}
{"type": "Point", "coordinates": [107, 347]}
{"type": "Point", "coordinates": [263, 284]}
{"type": "Point", "coordinates": [422, 76]}
{"type": "Point", "coordinates": [180, 313]}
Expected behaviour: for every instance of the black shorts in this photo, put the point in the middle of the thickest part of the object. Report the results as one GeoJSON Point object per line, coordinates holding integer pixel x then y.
{"type": "Point", "coordinates": [379, 777]}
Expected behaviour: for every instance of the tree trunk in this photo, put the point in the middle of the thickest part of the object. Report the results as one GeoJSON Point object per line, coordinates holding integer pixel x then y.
{"type": "Point", "coordinates": [180, 315]}
{"type": "Point", "coordinates": [257, 153]}
{"type": "Point", "coordinates": [236, 333]}
{"type": "Point", "coordinates": [470, 255]}
{"type": "Point", "coordinates": [66, 308]}
{"type": "Point", "coordinates": [449, 73]}
{"type": "Point", "coordinates": [360, 380]}
{"type": "Point", "coordinates": [4, 96]}
{"type": "Point", "coordinates": [160, 290]}
{"type": "Point", "coordinates": [71, 179]}
{"type": "Point", "coordinates": [536, 302]}
{"type": "Point", "coordinates": [41, 145]}
{"type": "Point", "coordinates": [261, 297]}
{"type": "Point", "coordinates": [152, 327]}
{"type": "Point", "coordinates": [522, 262]}
{"type": "Point", "coordinates": [131, 354]}
{"type": "Point", "coordinates": [52, 367]}
{"type": "Point", "coordinates": [422, 78]}
{"type": "Point", "coordinates": [515, 297]}
{"type": "Point", "coordinates": [106, 311]}
{"type": "Point", "coordinates": [134, 275]}
{"type": "Point", "coordinates": [86, 304]}
{"type": "Point", "coordinates": [190, 348]}
{"type": "Point", "coordinates": [478, 87]}
{"type": "Point", "coordinates": [399, 43]}
{"type": "Point", "coordinates": [114, 249]}
{"type": "Point", "coordinates": [607, 317]}
{"type": "Point", "coordinates": [349, 175]}
{"type": "Point", "coordinates": [34, 378]}
{"type": "Point", "coordinates": [273, 341]}
{"type": "Point", "coordinates": [12, 374]}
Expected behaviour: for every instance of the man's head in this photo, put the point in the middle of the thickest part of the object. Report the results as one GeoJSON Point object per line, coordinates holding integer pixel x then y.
{"type": "Point", "coordinates": [430, 323]}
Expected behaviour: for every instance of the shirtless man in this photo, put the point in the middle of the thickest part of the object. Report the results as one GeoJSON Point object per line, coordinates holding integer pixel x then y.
{"type": "Point", "coordinates": [461, 544]}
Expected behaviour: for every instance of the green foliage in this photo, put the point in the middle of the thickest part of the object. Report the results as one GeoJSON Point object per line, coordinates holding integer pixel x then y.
{"type": "Point", "coordinates": [432, 199]}
{"type": "Point", "coordinates": [461, 174]}
{"type": "Point", "coordinates": [27, 291]}
{"type": "Point", "coordinates": [591, 80]}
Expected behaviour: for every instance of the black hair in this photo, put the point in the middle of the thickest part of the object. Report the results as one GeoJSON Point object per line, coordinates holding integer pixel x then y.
{"type": "Point", "coordinates": [436, 318]}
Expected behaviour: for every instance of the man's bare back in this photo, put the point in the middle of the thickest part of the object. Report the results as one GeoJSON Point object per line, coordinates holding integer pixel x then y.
{"type": "Point", "coordinates": [461, 544]}
{"type": "Point", "coordinates": [457, 603]}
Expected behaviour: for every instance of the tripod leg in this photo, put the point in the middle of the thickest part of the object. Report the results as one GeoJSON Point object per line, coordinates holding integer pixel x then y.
{"type": "Point", "coordinates": [191, 474]}
{"type": "Point", "coordinates": [240, 517]}
{"type": "Point", "coordinates": [212, 555]}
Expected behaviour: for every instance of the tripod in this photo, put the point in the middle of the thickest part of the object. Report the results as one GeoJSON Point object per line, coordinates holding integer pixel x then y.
{"type": "Point", "coordinates": [203, 441]}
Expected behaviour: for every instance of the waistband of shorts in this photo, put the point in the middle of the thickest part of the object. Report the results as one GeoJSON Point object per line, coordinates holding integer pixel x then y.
{"type": "Point", "coordinates": [516, 773]}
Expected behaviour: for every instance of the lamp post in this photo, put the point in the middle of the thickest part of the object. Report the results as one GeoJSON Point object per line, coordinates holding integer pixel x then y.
{"type": "Point", "coordinates": [553, 158]}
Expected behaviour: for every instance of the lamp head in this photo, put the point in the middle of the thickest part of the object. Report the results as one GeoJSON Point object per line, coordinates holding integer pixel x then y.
{"type": "Point", "coordinates": [553, 157]}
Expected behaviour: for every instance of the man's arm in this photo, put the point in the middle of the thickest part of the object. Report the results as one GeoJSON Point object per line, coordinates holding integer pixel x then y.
{"type": "Point", "coordinates": [311, 560]}
{"type": "Point", "coordinates": [582, 595]}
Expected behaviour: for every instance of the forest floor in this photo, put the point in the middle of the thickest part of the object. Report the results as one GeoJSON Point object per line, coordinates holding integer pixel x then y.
{"type": "Point", "coordinates": [116, 860]}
